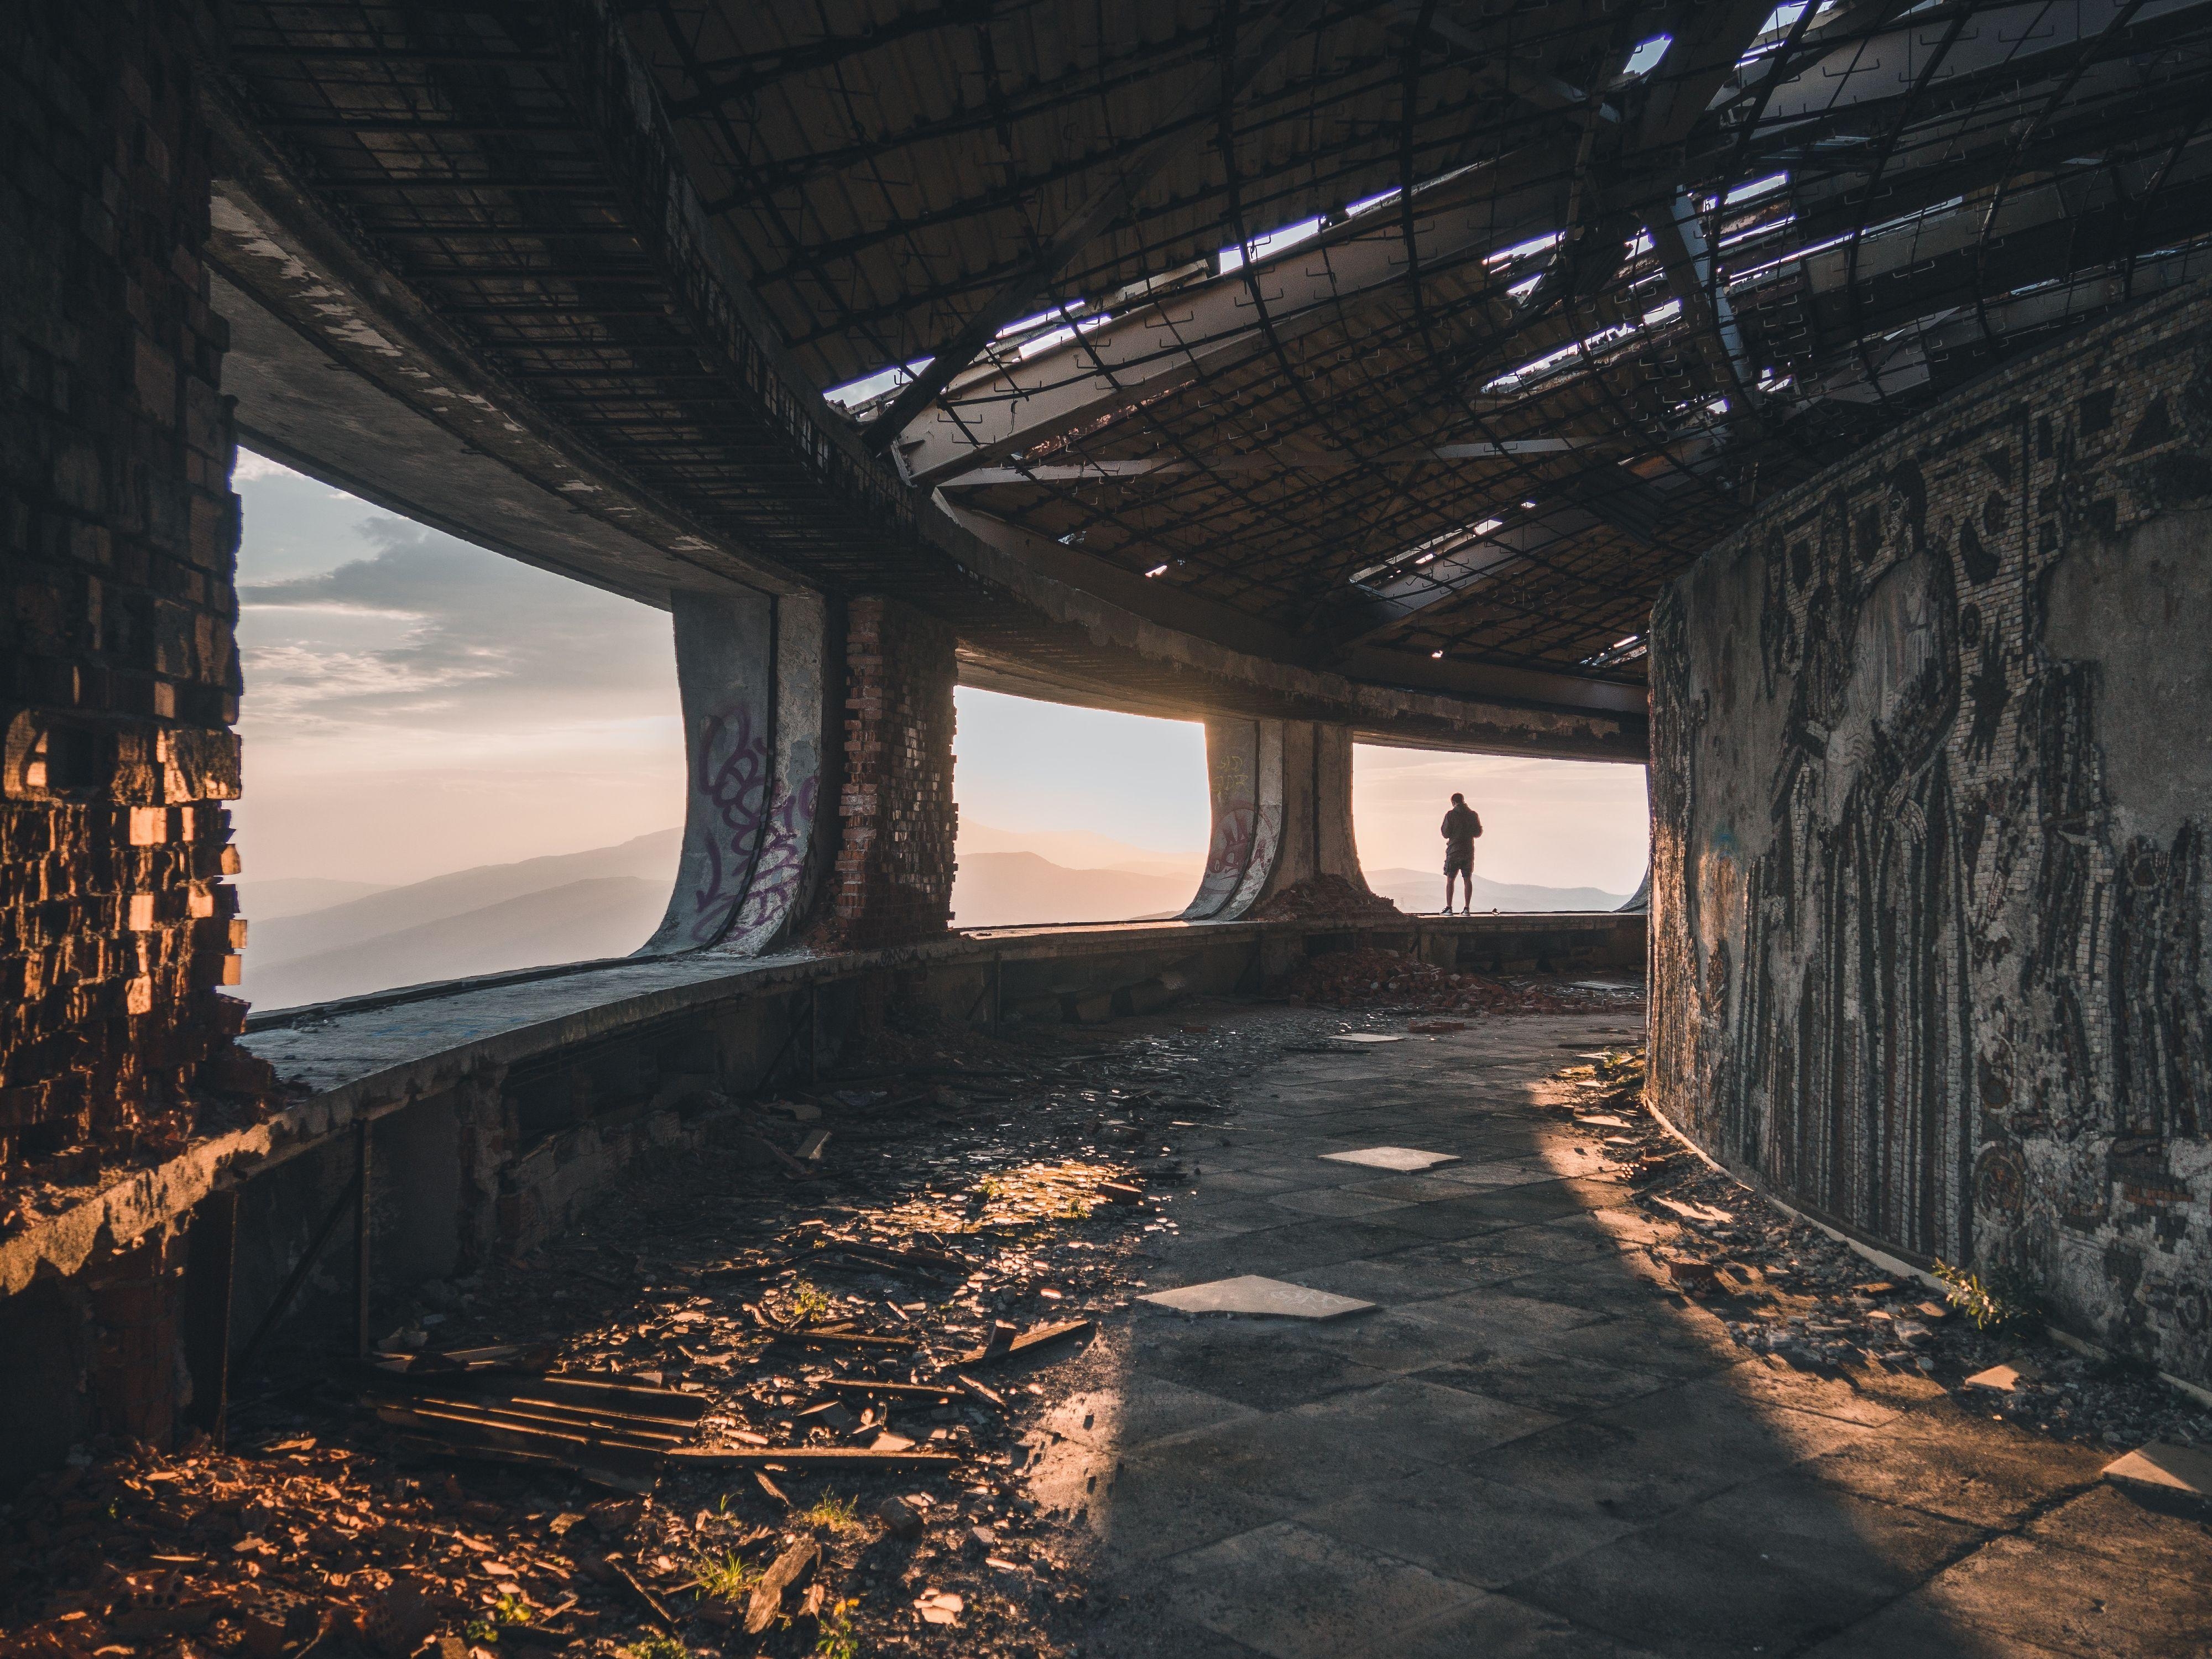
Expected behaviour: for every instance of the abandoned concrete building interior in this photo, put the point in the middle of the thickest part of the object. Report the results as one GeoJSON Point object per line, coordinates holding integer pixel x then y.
{"type": "Point", "coordinates": [1811, 405]}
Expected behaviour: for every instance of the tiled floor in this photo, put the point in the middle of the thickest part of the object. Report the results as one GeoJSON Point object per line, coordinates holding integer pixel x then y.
{"type": "Point", "coordinates": [1528, 1449]}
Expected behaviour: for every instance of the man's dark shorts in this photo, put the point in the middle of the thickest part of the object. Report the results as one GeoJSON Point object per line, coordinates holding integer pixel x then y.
{"type": "Point", "coordinates": [1457, 863]}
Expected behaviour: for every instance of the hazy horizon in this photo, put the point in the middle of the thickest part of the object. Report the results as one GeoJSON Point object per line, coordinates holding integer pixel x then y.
{"type": "Point", "coordinates": [416, 706]}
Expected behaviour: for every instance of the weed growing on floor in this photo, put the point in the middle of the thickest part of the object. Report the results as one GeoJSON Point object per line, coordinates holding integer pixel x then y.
{"type": "Point", "coordinates": [834, 1638]}
{"type": "Point", "coordinates": [806, 1302]}
{"type": "Point", "coordinates": [2004, 1304]}
{"type": "Point", "coordinates": [836, 1514]}
{"type": "Point", "coordinates": [727, 1577]}
{"type": "Point", "coordinates": [656, 1646]}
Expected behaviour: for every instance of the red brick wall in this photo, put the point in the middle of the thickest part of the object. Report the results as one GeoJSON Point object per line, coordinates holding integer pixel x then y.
{"type": "Point", "coordinates": [118, 676]}
{"type": "Point", "coordinates": [893, 880]}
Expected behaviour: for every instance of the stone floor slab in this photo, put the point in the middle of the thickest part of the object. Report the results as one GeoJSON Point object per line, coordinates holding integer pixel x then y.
{"type": "Point", "coordinates": [1407, 1159]}
{"type": "Point", "coordinates": [2073, 1604]}
{"type": "Point", "coordinates": [1466, 1528]}
{"type": "Point", "coordinates": [1293, 1593]}
{"type": "Point", "coordinates": [1250, 1294]}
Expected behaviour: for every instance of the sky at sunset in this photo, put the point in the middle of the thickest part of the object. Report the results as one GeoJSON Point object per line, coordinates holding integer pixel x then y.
{"type": "Point", "coordinates": [415, 705]}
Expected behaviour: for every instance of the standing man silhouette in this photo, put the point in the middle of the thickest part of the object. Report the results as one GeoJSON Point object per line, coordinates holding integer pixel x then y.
{"type": "Point", "coordinates": [1460, 826]}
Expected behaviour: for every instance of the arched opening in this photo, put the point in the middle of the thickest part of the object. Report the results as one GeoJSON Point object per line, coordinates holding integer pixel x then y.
{"type": "Point", "coordinates": [454, 763]}
{"type": "Point", "coordinates": [1557, 834]}
{"type": "Point", "coordinates": [1075, 814]}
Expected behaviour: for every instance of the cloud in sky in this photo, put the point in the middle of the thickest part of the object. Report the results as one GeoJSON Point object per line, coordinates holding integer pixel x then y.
{"type": "Point", "coordinates": [431, 631]}
{"type": "Point", "coordinates": [414, 704]}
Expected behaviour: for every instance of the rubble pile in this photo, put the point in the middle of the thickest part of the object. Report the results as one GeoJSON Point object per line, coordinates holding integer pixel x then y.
{"type": "Point", "coordinates": [1370, 977]}
{"type": "Point", "coordinates": [1783, 1287]}
{"type": "Point", "coordinates": [746, 1405]}
{"type": "Point", "coordinates": [1322, 896]}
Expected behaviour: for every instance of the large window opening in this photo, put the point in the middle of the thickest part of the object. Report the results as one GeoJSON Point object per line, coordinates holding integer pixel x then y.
{"type": "Point", "coordinates": [454, 763]}
{"type": "Point", "coordinates": [1075, 814]}
{"type": "Point", "coordinates": [1556, 834]}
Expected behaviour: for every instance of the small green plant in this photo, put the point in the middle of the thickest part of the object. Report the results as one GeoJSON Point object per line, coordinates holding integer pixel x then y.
{"type": "Point", "coordinates": [838, 1514]}
{"type": "Point", "coordinates": [727, 1577]}
{"type": "Point", "coordinates": [833, 1636]}
{"type": "Point", "coordinates": [2000, 1304]}
{"type": "Point", "coordinates": [990, 1187]}
{"type": "Point", "coordinates": [510, 1610]}
{"type": "Point", "coordinates": [656, 1646]}
{"type": "Point", "coordinates": [480, 1632]}
{"type": "Point", "coordinates": [807, 1301]}
{"type": "Point", "coordinates": [1074, 1210]}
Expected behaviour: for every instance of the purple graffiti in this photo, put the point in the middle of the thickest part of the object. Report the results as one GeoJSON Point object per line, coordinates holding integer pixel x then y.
{"type": "Point", "coordinates": [1232, 842]}
{"type": "Point", "coordinates": [734, 787]}
{"type": "Point", "coordinates": [782, 859]}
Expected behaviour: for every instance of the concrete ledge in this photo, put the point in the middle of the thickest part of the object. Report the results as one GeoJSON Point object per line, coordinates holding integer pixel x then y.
{"type": "Point", "coordinates": [371, 1056]}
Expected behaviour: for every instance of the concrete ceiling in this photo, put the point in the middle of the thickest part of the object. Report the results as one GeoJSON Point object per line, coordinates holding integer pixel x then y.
{"type": "Point", "coordinates": [1409, 346]}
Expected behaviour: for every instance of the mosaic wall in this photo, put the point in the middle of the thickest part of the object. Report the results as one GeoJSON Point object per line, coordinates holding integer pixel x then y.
{"type": "Point", "coordinates": [1930, 790]}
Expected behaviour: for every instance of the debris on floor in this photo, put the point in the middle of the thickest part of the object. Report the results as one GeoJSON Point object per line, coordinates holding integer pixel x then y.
{"type": "Point", "coordinates": [763, 1399]}
{"type": "Point", "coordinates": [1785, 1288]}
{"type": "Point", "coordinates": [1370, 977]}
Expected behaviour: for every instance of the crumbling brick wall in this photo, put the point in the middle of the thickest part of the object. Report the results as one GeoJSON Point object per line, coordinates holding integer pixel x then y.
{"type": "Point", "coordinates": [893, 881]}
{"type": "Point", "coordinates": [119, 676]}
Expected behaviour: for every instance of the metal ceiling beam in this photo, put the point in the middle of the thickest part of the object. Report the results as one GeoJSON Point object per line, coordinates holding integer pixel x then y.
{"type": "Point", "coordinates": [1271, 459]}
{"type": "Point", "coordinates": [1192, 333]}
{"type": "Point", "coordinates": [1037, 277]}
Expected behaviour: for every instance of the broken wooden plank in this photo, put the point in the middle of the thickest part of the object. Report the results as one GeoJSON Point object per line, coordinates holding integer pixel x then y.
{"type": "Point", "coordinates": [918, 1391]}
{"type": "Point", "coordinates": [710, 1457]}
{"type": "Point", "coordinates": [503, 1430]}
{"type": "Point", "coordinates": [634, 1399]}
{"type": "Point", "coordinates": [989, 1396]}
{"type": "Point", "coordinates": [911, 1258]}
{"type": "Point", "coordinates": [1037, 1337]}
{"type": "Point", "coordinates": [651, 1601]}
{"type": "Point", "coordinates": [549, 1414]}
{"type": "Point", "coordinates": [767, 1598]}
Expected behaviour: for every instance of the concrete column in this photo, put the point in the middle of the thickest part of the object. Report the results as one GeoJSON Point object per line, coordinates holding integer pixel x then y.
{"type": "Point", "coordinates": [1281, 795]}
{"type": "Point", "coordinates": [750, 670]}
{"type": "Point", "coordinates": [897, 823]}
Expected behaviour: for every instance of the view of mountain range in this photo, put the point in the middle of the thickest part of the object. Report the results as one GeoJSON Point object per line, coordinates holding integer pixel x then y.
{"type": "Point", "coordinates": [314, 939]}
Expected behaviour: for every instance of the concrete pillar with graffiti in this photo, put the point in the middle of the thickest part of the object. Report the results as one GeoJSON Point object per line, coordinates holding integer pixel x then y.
{"type": "Point", "coordinates": [750, 670]}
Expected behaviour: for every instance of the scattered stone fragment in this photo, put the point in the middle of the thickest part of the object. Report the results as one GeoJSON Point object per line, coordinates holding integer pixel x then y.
{"type": "Point", "coordinates": [2182, 1471]}
{"type": "Point", "coordinates": [939, 1608]}
{"type": "Point", "coordinates": [899, 1515]}
{"type": "Point", "coordinates": [786, 1569]}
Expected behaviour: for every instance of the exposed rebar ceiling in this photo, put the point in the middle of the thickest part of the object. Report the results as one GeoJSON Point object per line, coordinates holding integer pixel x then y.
{"type": "Point", "coordinates": [1443, 330]}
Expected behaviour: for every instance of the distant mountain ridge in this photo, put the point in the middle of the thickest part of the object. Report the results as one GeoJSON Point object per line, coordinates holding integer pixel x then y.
{"type": "Point", "coordinates": [606, 901]}
{"type": "Point", "coordinates": [1421, 892]}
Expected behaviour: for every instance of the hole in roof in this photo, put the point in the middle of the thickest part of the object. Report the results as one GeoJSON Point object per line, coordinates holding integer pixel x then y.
{"type": "Point", "coordinates": [1272, 243]}
{"type": "Point", "coordinates": [855, 395]}
{"type": "Point", "coordinates": [1646, 57]}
